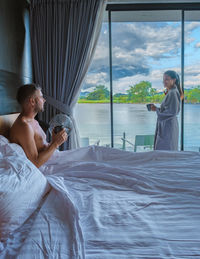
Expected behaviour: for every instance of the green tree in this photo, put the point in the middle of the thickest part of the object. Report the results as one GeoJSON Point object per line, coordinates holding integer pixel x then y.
{"type": "Point", "coordinates": [140, 92]}
{"type": "Point", "coordinates": [99, 93]}
{"type": "Point", "coordinates": [120, 98]}
{"type": "Point", "coordinates": [192, 95]}
{"type": "Point", "coordinates": [157, 98]}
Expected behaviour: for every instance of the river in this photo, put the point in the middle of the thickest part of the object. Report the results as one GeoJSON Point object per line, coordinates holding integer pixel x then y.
{"type": "Point", "coordinates": [93, 121]}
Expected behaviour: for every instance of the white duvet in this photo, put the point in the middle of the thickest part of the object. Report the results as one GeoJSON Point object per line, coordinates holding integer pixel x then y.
{"type": "Point", "coordinates": [106, 203]}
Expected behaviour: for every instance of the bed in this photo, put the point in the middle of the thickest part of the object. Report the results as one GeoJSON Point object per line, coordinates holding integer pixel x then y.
{"type": "Point", "coordinates": [99, 203]}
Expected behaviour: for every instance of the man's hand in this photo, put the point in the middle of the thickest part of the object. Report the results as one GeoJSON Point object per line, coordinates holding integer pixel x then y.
{"type": "Point", "coordinates": [59, 138]}
{"type": "Point", "coordinates": [153, 107]}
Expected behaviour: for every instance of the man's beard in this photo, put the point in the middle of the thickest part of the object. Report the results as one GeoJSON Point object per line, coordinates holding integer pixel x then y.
{"type": "Point", "coordinates": [38, 108]}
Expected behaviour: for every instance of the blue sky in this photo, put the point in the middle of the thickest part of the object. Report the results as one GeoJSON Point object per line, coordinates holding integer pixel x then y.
{"type": "Point", "coordinates": [143, 51]}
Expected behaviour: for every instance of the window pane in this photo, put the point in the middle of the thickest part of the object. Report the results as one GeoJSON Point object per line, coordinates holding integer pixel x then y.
{"type": "Point", "coordinates": [144, 45]}
{"type": "Point", "coordinates": [192, 81]}
{"type": "Point", "coordinates": [92, 112]}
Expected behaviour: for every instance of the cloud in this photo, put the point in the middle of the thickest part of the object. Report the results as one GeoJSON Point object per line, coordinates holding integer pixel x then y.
{"type": "Point", "coordinates": [197, 45]}
{"type": "Point", "coordinates": [141, 52]}
{"type": "Point", "coordinates": [134, 43]}
{"type": "Point", "coordinates": [94, 79]}
{"type": "Point", "coordinates": [144, 41]}
{"type": "Point", "coordinates": [123, 84]}
{"type": "Point", "coordinates": [192, 76]}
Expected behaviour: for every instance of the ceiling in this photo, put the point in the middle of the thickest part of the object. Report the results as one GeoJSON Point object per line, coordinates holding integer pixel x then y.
{"type": "Point", "coordinates": [151, 16]}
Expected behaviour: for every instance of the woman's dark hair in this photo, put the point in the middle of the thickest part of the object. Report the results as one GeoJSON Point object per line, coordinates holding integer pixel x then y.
{"type": "Point", "coordinates": [26, 91]}
{"type": "Point", "coordinates": [174, 75]}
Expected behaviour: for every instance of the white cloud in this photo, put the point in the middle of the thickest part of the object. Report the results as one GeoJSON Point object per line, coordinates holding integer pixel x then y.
{"type": "Point", "coordinates": [197, 45]}
{"type": "Point", "coordinates": [101, 52]}
{"type": "Point", "coordinates": [190, 26]}
{"type": "Point", "coordinates": [133, 44]}
{"type": "Point", "coordinates": [192, 76]}
{"type": "Point", "coordinates": [123, 84]}
{"type": "Point", "coordinates": [137, 48]}
{"type": "Point", "coordinates": [97, 78]}
{"type": "Point", "coordinates": [191, 79]}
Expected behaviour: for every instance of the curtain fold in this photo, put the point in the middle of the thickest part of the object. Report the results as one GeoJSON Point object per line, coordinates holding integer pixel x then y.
{"type": "Point", "coordinates": [64, 35]}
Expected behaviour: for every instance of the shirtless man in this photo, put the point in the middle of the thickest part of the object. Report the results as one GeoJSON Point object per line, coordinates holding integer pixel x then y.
{"type": "Point", "coordinates": [27, 132]}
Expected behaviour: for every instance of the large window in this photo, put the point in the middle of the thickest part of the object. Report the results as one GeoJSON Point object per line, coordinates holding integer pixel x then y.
{"type": "Point", "coordinates": [137, 44]}
{"type": "Point", "coordinates": [92, 112]}
{"type": "Point", "coordinates": [144, 45]}
{"type": "Point", "coordinates": [192, 81]}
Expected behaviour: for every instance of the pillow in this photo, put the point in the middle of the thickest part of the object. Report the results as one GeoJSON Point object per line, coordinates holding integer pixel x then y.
{"type": "Point", "coordinates": [7, 148]}
{"type": "Point", "coordinates": [22, 187]}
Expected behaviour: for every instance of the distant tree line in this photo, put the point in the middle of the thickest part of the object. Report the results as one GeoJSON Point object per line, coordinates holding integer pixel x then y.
{"type": "Point", "coordinates": [143, 92]}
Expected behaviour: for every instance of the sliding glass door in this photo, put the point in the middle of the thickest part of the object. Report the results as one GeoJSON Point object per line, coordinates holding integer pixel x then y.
{"type": "Point", "coordinates": [92, 111]}
{"type": "Point", "coordinates": [192, 81]}
{"type": "Point", "coordinates": [144, 45]}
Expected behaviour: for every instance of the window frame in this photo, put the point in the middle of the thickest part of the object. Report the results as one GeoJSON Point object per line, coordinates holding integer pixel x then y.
{"type": "Point", "coordinates": [150, 7]}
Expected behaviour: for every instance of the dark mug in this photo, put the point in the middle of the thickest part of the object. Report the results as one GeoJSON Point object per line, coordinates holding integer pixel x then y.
{"type": "Point", "coordinates": [58, 129]}
{"type": "Point", "coordinates": [149, 106]}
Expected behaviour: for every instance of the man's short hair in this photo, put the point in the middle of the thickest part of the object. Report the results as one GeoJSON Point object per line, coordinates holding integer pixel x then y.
{"type": "Point", "coordinates": [26, 91]}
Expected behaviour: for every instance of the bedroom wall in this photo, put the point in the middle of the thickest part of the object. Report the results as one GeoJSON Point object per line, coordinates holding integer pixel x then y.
{"type": "Point", "coordinates": [15, 52]}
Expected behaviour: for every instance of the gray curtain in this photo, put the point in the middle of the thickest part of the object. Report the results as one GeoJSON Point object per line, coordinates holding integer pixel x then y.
{"type": "Point", "coordinates": [64, 35]}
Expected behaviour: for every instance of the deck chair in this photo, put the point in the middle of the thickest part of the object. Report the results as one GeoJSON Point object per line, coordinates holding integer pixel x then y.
{"type": "Point", "coordinates": [144, 140]}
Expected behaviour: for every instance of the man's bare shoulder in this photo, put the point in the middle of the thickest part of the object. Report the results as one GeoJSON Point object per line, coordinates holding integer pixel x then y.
{"type": "Point", "coordinates": [19, 129]}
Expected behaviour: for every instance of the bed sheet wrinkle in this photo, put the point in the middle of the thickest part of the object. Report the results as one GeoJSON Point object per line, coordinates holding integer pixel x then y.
{"type": "Point", "coordinates": [108, 204]}
{"type": "Point", "coordinates": [22, 186]}
{"type": "Point", "coordinates": [11, 247]}
{"type": "Point", "coordinates": [54, 232]}
{"type": "Point", "coordinates": [72, 215]}
{"type": "Point", "coordinates": [121, 178]}
{"type": "Point", "coordinates": [154, 193]}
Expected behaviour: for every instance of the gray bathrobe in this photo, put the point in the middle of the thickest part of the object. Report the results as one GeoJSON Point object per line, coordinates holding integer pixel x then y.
{"type": "Point", "coordinates": [167, 130]}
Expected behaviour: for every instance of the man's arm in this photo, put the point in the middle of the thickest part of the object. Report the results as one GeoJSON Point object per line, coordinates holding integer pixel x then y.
{"type": "Point", "coordinates": [27, 141]}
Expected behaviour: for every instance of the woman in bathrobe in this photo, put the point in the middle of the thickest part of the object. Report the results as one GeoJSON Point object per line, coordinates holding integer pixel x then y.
{"type": "Point", "coordinates": [167, 129]}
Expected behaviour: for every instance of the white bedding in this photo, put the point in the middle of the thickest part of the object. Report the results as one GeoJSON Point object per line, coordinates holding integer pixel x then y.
{"type": "Point", "coordinates": [106, 203]}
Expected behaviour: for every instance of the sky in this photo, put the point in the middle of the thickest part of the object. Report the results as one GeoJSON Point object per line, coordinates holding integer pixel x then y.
{"type": "Point", "coordinates": [142, 51]}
